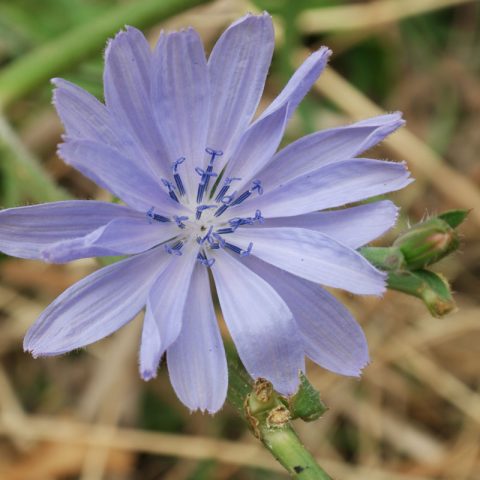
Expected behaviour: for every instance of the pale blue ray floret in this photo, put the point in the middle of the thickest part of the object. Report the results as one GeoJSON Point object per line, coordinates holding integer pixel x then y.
{"type": "Point", "coordinates": [204, 189]}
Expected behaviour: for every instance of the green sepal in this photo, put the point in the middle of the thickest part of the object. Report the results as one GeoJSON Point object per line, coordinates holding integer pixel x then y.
{"type": "Point", "coordinates": [385, 258]}
{"type": "Point", "coordinates": [430, 287]}
{"type": "Point", "coordinates": [306, 403]}
{"type": "Point", "coordinates": [454, 217]}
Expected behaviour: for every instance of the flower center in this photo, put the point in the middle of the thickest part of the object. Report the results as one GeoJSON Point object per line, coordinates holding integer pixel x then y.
{"type": "Point", "coordinates": [207, 225]}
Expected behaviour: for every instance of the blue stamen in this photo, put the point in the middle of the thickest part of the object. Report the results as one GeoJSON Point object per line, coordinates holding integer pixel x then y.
{"type": "Point", "coordinates": [213, 153]}
{"type": "Point", "coordinates": [176, 176]}
{"type": "Point", "coordinates": [225, 188]}
{"type": "Point", "coordinates": [227, 199]}
{"type": "Point", "coordinates": [202, 258]}
{"type": "Point", "coordinates": [201, 208]}
{"type": "Point", "coordinates": [174, 249]}
{"type": "Point", "coordinates": [233, 248]}
{"type": "Point", "coordinates": [179, 220]}
{"type": "Point", "coordinates": [238, 250]}
{"type": "Point", "coordinates": [241, 198]}
{"type": "Point", "coordinates": [205, 178]}
{"type": "Point", "coordinates": [258, 217]}
{"type": "Point", "coordinates": [246, 253]}
{"type": "Point", "coordinates": [222, 243]}
{"type": "Point", "coordinates": [257, 185]}
{"type": "Point", "coordinates": [221, 193]}
{"type": "Point", "coordinates": [211, 241]}
{"type": "Point", "coordinates": [237, 221]}
{"type": "Point", "coordinates": [150, 214]}
{"type": "Point", "coordinates": [202, 240]}
{"type": "Point", "coordinates": [220, 210]}
{"type": "Point", "coordinates": [170, 188]}
{"type": "Point", "coordinates": [223, 231]}
{"type": "Point", "coordinates": [154, 216]}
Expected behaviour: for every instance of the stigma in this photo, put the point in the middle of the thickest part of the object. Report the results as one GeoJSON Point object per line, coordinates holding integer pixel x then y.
{"type": "Point", "coordinates": [207, 225]}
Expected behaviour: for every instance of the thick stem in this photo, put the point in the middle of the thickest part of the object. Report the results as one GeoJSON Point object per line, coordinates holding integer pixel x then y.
{"type": "Point", "coordinates": [61, 53]}
{"type": "Point", "coordinates": [271, 425]}
{"type": "Point", "coordinates": [286, 447]}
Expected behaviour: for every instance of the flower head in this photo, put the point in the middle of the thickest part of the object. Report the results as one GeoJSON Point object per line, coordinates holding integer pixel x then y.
{"type": "Point", "coordinates": [204, 188]}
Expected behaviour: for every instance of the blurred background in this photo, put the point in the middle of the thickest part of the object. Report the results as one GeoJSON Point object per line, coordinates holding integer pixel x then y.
{"type": "Point", "coordinates": [415, 414]}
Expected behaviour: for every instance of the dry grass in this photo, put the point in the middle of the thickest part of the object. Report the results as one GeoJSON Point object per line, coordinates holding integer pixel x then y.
{"type": "Point", "coordinates": [415, 414]}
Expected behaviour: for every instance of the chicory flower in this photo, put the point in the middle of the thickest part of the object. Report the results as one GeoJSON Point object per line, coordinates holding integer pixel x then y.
{"type": "Point", "coordinates": [203, 188]}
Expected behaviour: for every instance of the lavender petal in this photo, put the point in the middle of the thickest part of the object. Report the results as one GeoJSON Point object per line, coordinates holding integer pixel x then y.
{"type": "Point", "coordinates": [313, 256]}
{"type": "Point", "coordinates": [127, 83]}
{"type": "Point", "coordinates": [331, 186]}
{"type": "Point", "coordinates": [301, 82]}
{"type": "Point", "coordinates": [332, 337]}
{"type": "Point", "coordinates": [85, 118]}
{"type": "Point", "coordinates": [122, 236]}
{"type": "Point", "coordinates": [261, 325]}
{"type": "Point", "coordinates": [165, 308]}
{"type": "Point", "coordinates": [353, 227]}
{"type": "Point", "coordinates": [256, 147]}
{"type": "Point", "coordinates": [328, 146]}
{"type": "Point", "coordinates": [196, 360]}
{"type": "Point", "coordinates": [26, 231]}
{"type": "Point", "coordinates": [94, 307]}
{"type": "Point", "coordinates": [116, 173]}
{"type": "Point", "coordinates": [180, 99]}
{"type": "Point", "coordinates": [238, 67]}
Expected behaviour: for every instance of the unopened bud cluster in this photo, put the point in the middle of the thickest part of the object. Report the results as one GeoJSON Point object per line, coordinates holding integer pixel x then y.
{"type": "Point", "coordinates": [427, 243]}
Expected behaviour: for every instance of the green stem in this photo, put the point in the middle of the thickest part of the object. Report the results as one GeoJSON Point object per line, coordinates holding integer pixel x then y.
{"type": "Point", "coordinates": [286, 447]}
{"type": "Point", "coordinates": [278, 437]}
{"type": "Point", "coordinates": [56, 56]}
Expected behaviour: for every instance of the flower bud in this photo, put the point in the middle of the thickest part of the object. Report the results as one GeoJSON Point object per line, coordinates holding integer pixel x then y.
{"type": "Point", "coordinates": [427, 243]}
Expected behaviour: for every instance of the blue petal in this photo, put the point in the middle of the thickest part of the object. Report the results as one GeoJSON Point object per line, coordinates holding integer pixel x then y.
{"type": "Point", "coordinates": [181, 100]}
{"type": "Point", "coordinates": [127, 83]}
{"type": "Point", "coordinates": [301, 82]}
{"type": "Point", "coordinates": [256, 147]}
{"type": "Point", "coordinates": [353, 227]}
{"type": "Point", "coordinates": [331, 336]}
{"type": "Point", "coordinates": [122, 236]}
{"type": "Point", "coordinates": [165, 307]}
{"type": "Point", "coordinates": [196, 361]}
{"type": "Point", "coordinates": [26, 232]}
{"type": "Point", "coordinates": [327, 146]}
{"type": "Point", "coordinates": [118, 174]}
{"type": "Point", "coordinates": [151, 350]}
{"type": "Point", "coordinates": [313, 256]}
{"type": "Point", "coordinates": [94, 307]}
{"type": "Point", "coordinates": [85, 118]}
{"type": "Point", "coordinates": [331, 186]}
{"type": "Point", "coordinates": [238, 67]}
{"type": "Point", "coordinates": [261, 325]}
